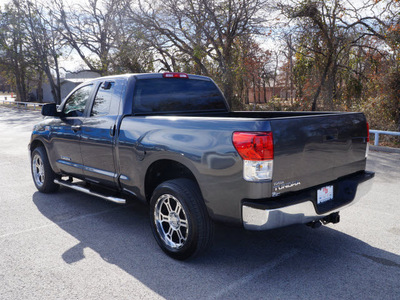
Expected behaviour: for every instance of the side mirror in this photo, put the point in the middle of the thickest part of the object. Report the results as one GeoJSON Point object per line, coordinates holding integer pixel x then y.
{"type": "Point", "coordinates": [50, 110]}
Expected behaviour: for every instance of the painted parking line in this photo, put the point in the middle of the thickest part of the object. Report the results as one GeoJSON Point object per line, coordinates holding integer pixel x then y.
{"type": "Point", "coordinates": [254, 274]}
{"type": "Point", "coordinates": [60, 223]}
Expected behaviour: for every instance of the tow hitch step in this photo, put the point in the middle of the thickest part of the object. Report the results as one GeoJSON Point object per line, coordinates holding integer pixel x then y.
{"type": "Point", "coordinates": [332, 218]}
{"type": "Point", "coordinates": [85, 190]}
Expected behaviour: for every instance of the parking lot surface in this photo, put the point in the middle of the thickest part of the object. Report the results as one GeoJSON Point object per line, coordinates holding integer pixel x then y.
{"type": "Point", "coordinates": [70, 245]}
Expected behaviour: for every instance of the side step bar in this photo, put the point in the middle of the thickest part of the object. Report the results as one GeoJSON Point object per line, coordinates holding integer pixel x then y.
{"type": "Point", "coordinates": [87, 191]}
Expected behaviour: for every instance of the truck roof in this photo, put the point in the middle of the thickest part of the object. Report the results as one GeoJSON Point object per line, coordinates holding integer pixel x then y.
{"type": "Point", "coordinates": [147, 76]}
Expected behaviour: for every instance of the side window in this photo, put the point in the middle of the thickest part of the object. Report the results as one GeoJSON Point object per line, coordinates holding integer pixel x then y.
{"type": "Point", "coordinates": [76, 103]}
{"type": "Point", "coordinates": [103, 99]}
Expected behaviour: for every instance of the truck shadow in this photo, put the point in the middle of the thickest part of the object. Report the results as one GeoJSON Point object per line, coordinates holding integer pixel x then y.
{"type": "Point", "coordinates": [121, 235]}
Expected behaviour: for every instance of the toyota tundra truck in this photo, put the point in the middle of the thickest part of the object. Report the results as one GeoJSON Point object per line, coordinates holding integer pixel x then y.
{"type": "Point", "coordinates": [171, 140]}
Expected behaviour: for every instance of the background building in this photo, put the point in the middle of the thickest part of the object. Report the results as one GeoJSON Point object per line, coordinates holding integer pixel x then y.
{"type": "Point", "coordinates": [68, 83]}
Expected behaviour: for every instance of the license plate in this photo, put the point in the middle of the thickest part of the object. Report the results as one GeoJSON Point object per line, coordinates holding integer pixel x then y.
{"type": "Point", "coordinates": [325, 194]}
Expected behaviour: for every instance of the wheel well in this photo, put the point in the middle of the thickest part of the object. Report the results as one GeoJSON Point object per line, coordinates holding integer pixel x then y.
{"type": "Point", "coordinates": [164, 170]}
{"type": "Point", "coordinates": [35, 144]}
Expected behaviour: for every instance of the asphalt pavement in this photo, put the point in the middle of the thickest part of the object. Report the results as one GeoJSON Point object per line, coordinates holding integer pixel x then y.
{"type": "Point", "coordinates": [70, 245]}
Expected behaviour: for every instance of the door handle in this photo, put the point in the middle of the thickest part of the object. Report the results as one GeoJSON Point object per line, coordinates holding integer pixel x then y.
{"type": "Point", "coordinates": [112, 130]}
{"type": "Point", "coordinates": [76, 128]}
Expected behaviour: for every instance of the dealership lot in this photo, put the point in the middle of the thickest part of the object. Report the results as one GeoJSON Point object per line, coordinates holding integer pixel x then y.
{"type": "Point", "coordinates": [74, 246]}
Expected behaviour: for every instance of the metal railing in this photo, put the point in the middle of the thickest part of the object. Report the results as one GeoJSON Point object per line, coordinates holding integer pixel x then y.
{"type": "Point", "coordinates": [23, 104]}
{"type": "Point", "coordinates": [378, 132]}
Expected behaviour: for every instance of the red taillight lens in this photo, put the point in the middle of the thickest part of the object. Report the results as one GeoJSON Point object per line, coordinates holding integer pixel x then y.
{"type": "Point", "coordinates": [367, 132]}
{"type": "Point", "coordinates": [175, 75]}
{"type": "Point", "coordinates": [254, 145]}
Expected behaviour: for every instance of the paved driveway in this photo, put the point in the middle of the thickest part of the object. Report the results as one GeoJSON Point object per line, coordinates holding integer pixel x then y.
{"type": "Point", "coordinates": [73, 246]}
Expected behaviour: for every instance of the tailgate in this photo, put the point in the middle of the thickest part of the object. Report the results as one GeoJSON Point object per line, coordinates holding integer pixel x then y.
{"type": "Point", "coordinates": [313, 150]}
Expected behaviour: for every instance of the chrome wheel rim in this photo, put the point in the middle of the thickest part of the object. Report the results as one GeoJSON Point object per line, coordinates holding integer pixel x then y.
{"type": "Point", "coordinates": [171, 221]}
{"type": "Point", "coordinates": [38, 170]}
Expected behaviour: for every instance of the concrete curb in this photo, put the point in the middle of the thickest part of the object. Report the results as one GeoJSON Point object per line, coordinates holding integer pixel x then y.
{"type": "Point", "coordinates": [384, 149]}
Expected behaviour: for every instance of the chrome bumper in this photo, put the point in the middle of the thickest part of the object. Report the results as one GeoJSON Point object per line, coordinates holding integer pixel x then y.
{"type": "Point", "coordinates": [301, 213]}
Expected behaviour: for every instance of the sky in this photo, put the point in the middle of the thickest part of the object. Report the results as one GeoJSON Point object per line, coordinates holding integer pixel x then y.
{"type": "Point", "coordinates": [2, 2]}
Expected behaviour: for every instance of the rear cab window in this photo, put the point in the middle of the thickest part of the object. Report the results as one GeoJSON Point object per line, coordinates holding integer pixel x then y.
{"type": "Point", "coordinates": [171, 95]}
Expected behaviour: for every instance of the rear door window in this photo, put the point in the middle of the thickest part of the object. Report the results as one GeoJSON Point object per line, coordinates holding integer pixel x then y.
{"type": "Point", "coordinates": [102, 101]}
{"type": "Point", "coordinates": [176, 95]}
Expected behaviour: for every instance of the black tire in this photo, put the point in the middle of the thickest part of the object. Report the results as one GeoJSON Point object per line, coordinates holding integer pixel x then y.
{"type": "Point", "coordinates": [42, 173]}
{"type": "Point", "coordinates": [179, 219]}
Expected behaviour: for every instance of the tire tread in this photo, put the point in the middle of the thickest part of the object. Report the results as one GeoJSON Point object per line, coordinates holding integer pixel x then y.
{"type": "Point", "coordinates": [204, 225]}
{"type": "Point", "coordinates": [49, 186]}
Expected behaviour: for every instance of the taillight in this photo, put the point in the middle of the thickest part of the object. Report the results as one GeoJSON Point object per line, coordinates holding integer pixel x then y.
{"type": "Point", "coordinates": [254, 145]}
{"type": "Point", "coordinates": [175, 75]}
{"type": "Point", "coordinates": [257, 151]}
{"type": "Point", "coordinates": [367, 132]}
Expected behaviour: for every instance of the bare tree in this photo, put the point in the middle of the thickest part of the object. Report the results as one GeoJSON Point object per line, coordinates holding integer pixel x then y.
{"type": "Point", "coordinates": [323, 34]}
{"type": "Point", "coordinates": [204, 31]}
{"type": "Point", "coordinates": [90, 29]}
{"type": "Point", "coordinates": [13, 59]}
{"type": "Point", "coordinates": [44, 42]}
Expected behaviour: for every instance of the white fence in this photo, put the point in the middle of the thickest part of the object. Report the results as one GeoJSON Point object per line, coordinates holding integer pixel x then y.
{"type": "Point", "coordinates": [25, 105]}
{"type": "Point", "coordinates": [378, 132]}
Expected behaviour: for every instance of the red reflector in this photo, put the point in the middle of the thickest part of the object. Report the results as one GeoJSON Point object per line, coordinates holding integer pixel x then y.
{"type": "Point", "coordinates": [367, 132]}
{"type": "Point", "coordinates": [254, 145]}
{"type": "Point", "coordinates": [175, 75]}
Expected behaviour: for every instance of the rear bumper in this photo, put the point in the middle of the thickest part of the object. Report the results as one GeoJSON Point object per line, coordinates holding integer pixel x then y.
{"type": "Point", "coordinates": [301, 207]}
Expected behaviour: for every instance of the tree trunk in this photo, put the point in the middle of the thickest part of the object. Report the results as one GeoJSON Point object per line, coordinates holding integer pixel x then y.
{"type": "Point", "coordinates": [247, 94]}
{"type": "Point", "coordinates": [331, 88]}
{"type": "Point", "coordinates": [323, 79]}
{"type": "Point", "coordinates": [265, 91]}
{"type": "Point", "coordinates": [254, 92]}
{"type": "Point", "coordinates": [39, 91]}
{"type": "Point", "coordinates": [227, 86]}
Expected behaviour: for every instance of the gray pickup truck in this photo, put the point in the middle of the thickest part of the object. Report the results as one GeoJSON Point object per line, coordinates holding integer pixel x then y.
{"type": "Point", "coordinates": [170, 140]}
